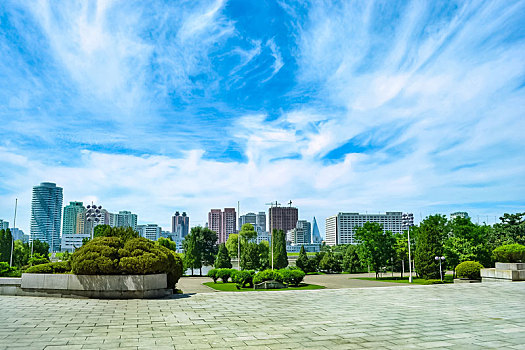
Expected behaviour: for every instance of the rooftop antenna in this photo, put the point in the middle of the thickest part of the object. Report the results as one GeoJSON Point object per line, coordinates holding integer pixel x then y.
{"type": "Point", "coordinates": [290, 203]}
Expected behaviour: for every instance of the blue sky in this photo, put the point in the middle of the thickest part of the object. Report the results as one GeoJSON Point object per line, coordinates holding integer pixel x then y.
{"type": "Point", "coordinates": [155, 106]}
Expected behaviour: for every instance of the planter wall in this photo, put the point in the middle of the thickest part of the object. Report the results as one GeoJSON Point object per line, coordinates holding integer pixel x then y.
{"type": "Point", "coordinates": [91, 286]}
{"type": "Point", "coordinates": [504, 272]}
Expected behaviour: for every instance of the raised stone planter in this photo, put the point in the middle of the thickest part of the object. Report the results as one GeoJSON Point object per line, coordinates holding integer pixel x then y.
{"type": "Point", "coordinates": [88, 286]}
{"type": "Point", "coordinates": [465, 280]}
{"type": "Point", "coordinates": [269, 285]}
{"type": "Point", "coordinates": [504, 272]}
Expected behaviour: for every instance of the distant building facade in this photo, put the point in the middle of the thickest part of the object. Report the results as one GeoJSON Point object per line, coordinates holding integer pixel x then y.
{"type": "Point", "coordinates": [459, 214]}
{"type": "Point", "coordinates": [46, 214]}
{"type": "Point", "coordinates": [18, 234]}
{"type": "Point", "coordinates": [316, 235]}
{"type": "Point", "coordinates": [340, 228]}
{"type": "Point", "coordinates": [150, 231]}
{"type": "Point", "coordinates": [258, 221]}
{"type": "Point", "coordinates": [301, 234]}
{"type": "Point", "coordinates": [223, 222]}
{"type": "Point", "coordinates": [71, 221]}
{"type": "Point", "coordinates": [126, 219]}
{"type": "Point", "coordinates": [71, 242]}
{"type": "Point", "coordinates": [283, 218]}
{"type": "Point", "coordinates": [4, 225]}
{"type": "Point", "coordinates": [180, 224]}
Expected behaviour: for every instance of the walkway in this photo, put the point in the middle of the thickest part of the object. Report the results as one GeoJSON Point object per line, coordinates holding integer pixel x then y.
{"type": "Point", "coordinates": [462, 316]}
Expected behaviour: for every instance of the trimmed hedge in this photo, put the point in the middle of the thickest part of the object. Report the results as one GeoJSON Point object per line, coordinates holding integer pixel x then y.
{"type": "Point", "coordinates": [509, 253]}
{"type": "Point", "coordinates": [137, 256]}
{"type": "Point", "coordinates": [242, 278]}
{"type": "Point", "coordinates": [55, 267]}
{"type": "Point", "coordinates": [267, 275]}
{"type": "Point", "coordinates": [292, 276]}
{"type": "Point", "coordinates": [213, 275]}
{"type": "Point", "coordinates": [224, 274]}
{"type": "Point", "coordinates": [469, 269]}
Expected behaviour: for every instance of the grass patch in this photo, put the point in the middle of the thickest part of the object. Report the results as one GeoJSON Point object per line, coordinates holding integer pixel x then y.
{"type": "Point", "coordinates": [447, 279]}
{"type": "Point", "coordinates": [231, 287]}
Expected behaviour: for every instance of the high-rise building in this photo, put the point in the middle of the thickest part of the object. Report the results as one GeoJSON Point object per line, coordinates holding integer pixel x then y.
{"type": "Point", "coordinates": [150, 231]}
{"type": "Point", "coordinates": [18, 234]}
{"type": "Point", "coordinates": [127, 219]}
{"type": "Point", "coordinates": [180, 224]}
{"type": "Point", "coordinates": [340, 228]}
{"type": "Point", "coordinates": [459, 214]}
{"type": "Point", "coordinates": [222, 222]}
{"type": "Point", "coordinates": [4, 225]}
{"type": "Point", "coordinates": [249, 218]}
{"type": "Point", "coordinates": [260, 220]}
{"type": "Point", "coordinates": [301, 234]}
{"type": "Point", "coordinates": [46, 213]}
{"type": "Point", "coordinates": [283, 218]}
{"type": "Point", "coordinates": [71, 216]}
{"type": "Point", "coordinates": [316, 235]}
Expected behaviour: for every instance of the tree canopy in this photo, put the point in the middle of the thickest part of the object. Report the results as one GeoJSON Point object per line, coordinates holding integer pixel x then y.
{"type": "Point", "coordinates": [375, 245]}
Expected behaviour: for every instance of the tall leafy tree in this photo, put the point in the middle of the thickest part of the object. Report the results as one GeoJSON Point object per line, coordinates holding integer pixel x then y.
{"type": "Point", "coordinates": [250, 256]}
{"type": "Point", "coordinates": [302, 260]}
{"type": "Point", "coordinates": [511, 229]}
{"type": "Point", "coordinates": [21, 253]}
{"type": "Point", "coordinates": [376, 246]}
{"type": "Point", "coordinates": [264, 255]}
{"type": "Point", "coordinates": [247, 232]}
{"type": "Point", "coordinates": [168, 243]}
{"type": "Point", "coordinates": [329, 263]}
{"type": "Point", "coordinates": [223, 260]}
{"type": "Point", "coordinates": [430, 236]}
{"type": "Point", "coordinates": [232, 245]}
{"type": "Point", "coordinates": [40, 247]}
{"type": "Point", "coordinates": [5, 245]}
{"type": "Point", "coordinates": [351, 262]}
{"type": "Point", "coordinates": [200, 248]}
{"type": "Point", "coordinates": [280, 258]}
{"type": "Point", "coordinates": [401, 251]}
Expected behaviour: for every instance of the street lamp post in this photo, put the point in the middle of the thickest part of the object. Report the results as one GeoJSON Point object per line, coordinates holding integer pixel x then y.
{"type": "Point", "coordinates": [440, 258]}
{"type": "Point", "coordinates": [408, 220]}
{"type": "Point", "coordinates": [93, 215]}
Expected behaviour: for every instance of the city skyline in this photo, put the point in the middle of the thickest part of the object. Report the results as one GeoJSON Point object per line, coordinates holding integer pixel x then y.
{"type": "Point", "coordinates": [337, 106]}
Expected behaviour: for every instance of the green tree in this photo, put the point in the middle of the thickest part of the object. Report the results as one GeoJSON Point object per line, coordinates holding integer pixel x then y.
{"type": "Point", "coordinates": [200, 248]}
{"type": "Point", "coordinates": [264, 255]}
{"type": "Point", "coordinates": [376, 246]}
{"type": "Point", "coordinates": [5, 245]}
{"type": "Point", "coordinates": [351, 262]}
{"type": "Point", "coordinates": [302, 260]}
{"type": "Point", "coordinates": [247, 232]}
{"type": "Point", "coordinates": [401, 250]}
{"type": "Point", "coordinates": [510, 230]}
{"type": "Point", "coordinates": [168, 243]}
{"type": "Point", "coordinates": [40, 248]}
{"type": "Point", "coordinates": [280, 258]}
{"type": "Point", "coordinates": [232, 244]}
{"type": "Point", "coordinates": [430, 236]}
{"type": "Point", "coordinates": [223, 260]}
{"type": "Point", "coordinates": [329, 263]}
{"type": "Point", "coordinates": [250, 256]}
{"type": "Point", "coordinates": [21, 253]}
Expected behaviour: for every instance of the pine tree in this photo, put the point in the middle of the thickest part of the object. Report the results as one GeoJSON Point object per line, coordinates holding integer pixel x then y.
{"type": "Point", "coordinates": [302, 260]}
{"type": "Point", "coordinates": [430, 235]}
{"type": "Point", "coordinates": [280, 258]}
{"type": "Point", "coordinates": [223, 260]}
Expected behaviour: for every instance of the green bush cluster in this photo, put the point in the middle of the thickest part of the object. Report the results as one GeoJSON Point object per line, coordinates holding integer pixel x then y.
{"type": "Point", "coordinates": [224, 274]}
{"type": "Point", "coordinates": [509, 253]}
{"type": "Point", "coordinates": [267, 275]}
{"type": "Point", "coordinates": [54, 267]}
{"type": "Point", "coordinates": [292, 276]}
{"type": "Point", "coordinates": [469, 269]}
{"type": "Point", "coordinates": [243, 278]}
{"type": "Point", "coordinates": [213, 275]}
{"type": "Point", "coordinates": [6, 270]}
{"type": "Point", "coordinates": [133, 256]}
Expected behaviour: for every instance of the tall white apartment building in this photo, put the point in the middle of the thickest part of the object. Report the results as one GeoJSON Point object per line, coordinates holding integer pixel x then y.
{"type": "Point", "coordinates": [340, 228]}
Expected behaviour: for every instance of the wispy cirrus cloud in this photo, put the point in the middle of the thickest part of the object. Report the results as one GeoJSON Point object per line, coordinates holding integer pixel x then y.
{"type": "Point", "coordinates": [337, 105]}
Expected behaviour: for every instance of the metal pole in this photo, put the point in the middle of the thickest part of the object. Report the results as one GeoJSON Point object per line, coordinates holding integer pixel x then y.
{"type": "Point", "coordinates": [409, 257]}
{"type": "Point", "coordinates": [271, 228]}
{"type": "Point", "coordinates": [12, 235]}
{"type": "Point", "coordinates": [440, 272]}
{"type": "Point", "coordinates": [239, 237]}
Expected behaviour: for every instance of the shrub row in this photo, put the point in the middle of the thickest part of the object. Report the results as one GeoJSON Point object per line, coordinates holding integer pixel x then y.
{"type": "Point", "coordinates": [288, 276]}
{"type": "Point", "coordinates": [242, 278]}
{"type": "Point", "coordinates": [509, 253]}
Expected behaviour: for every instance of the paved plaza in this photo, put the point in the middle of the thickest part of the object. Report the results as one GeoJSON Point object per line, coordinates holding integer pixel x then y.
{"type": "Point", "coordinates": [464, 316]}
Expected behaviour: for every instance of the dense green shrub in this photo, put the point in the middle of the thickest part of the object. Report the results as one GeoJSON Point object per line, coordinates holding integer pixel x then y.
{"type": "Point", "coordinates": [38, 259]}
{"type": "Point", "coordinates": [55, 267]}
{"type": "Point", "coordinates": [242, 278]}
{"type": "Point", "coordinates": [224, 274]}
{"type": "Point", "coordinates": [213, 275]}
{"type": "Point", "coordinates": [99, 256]}
{"type": "Point", "coordinates": [509, 253]}
{"type": "Point", "coordinates": [267, 275]}
{"type": "Point", "coordinates": [469, 269]}
{"type": "Point", "coordinates": [174, 269]}
{"type": "Point", "coordinates": [292, 276]}
{"type": "Point", "coordinates": [140, 256]}
{"type": "Point", "coordinates": [124, 233]}
{"type": "Point", "coordinates": [6, 270]}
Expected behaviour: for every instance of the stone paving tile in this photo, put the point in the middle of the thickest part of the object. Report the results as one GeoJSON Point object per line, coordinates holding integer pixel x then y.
{"type": "Point", "coordinates": [469, 316]}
